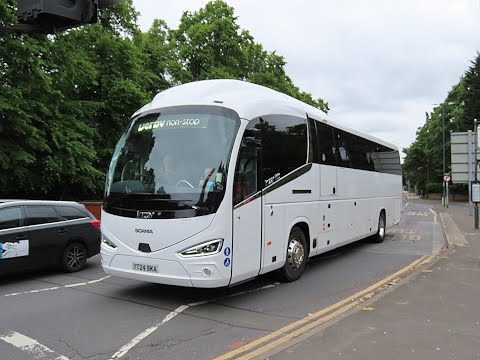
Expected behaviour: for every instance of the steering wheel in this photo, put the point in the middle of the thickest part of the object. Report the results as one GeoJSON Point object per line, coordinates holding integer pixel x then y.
{"type": "Point", "coordinates": [185, 182]}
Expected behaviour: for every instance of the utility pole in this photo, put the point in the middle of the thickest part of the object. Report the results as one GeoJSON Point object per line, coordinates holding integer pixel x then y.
{"type": "Point", "coordinates": [444, 199]}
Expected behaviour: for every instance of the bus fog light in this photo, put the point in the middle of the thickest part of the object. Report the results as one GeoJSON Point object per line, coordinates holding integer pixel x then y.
{"type": "Point", "coordinates": [208, 248]}
{"type": "Point", "coordinates": [108, 243]}
{"type": "Point", "coordinates": [207, 271]}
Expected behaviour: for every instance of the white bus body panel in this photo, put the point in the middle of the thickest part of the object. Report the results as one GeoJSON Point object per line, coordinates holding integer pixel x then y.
{"type": "Point", "coordinates": [328, 181]}
{"type": "Point", "coordinates": [164, 232]}
{"type": "Point", "coordinates": [173, 269]}
{"type": "Point", "coordinates": [287, 205]}
{"type": "Point", "coordinates": [247, 241]}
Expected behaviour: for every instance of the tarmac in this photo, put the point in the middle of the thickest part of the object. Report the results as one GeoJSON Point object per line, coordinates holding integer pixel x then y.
{"type": "Point", "coordinates": [432, 314]}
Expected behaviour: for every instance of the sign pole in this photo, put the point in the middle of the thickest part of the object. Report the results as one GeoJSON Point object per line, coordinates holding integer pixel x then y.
{"type": "Point", "coordinates": [476, 167]}
{"type": "Point", "coordinates": [470, 171]}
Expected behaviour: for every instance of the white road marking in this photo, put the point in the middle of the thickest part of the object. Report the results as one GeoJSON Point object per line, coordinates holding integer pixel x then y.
{"type": "Point", "coordinates": [126, 348]}
{"type": "Point", "coordinates": [30, 346]}
{"type": "Point", "coordinates": [57, 287]}
{"type": "Point", "coordinates": [132, 343]}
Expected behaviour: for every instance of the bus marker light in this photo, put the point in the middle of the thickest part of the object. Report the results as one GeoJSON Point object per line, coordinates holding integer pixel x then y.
{"type": "Point", "coordinates": [269, 243]}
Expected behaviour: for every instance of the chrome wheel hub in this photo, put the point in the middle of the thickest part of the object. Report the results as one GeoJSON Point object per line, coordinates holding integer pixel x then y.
{"type": "Point", "coordinates": [295, 254]}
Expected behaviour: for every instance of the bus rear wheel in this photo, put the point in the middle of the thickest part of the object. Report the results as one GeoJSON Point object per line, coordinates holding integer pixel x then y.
{"type": "Point", "coordinates": [380, 235]}
{"type": "Point", "coordinates": [296, 259]}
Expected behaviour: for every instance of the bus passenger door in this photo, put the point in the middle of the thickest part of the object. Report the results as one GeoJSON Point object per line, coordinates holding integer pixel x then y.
{"type": "Point", "coordinates": [247, 211]}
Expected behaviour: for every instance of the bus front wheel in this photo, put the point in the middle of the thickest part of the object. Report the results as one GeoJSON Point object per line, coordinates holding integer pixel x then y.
{"type": "Point", "coordinates": [296, 256]}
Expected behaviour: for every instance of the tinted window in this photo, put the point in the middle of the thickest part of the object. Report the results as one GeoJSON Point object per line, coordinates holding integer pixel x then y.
{"type": "Point", "coordinates": [326, 144]}
{"type": "Point", "coordinates": [10, 218]}
{"type": "Point", "coordinates": [342, 147]}
{"type": "Point", "coordinates": [247, 171]}
{"type": "Point", "coordinates": [70, 213]}
{"type": "Point", "coordinates": [358, 149]}
{"type": "Point", "coordinates": [284, 145]}
{"type": "Point", "coordinates": [384, 159]}
{"type": "Point", "coordinates": [40, 215]}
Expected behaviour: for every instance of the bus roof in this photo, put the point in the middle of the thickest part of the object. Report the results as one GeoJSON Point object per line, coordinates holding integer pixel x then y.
{"type": "Point", "coordinates": [247, 99]}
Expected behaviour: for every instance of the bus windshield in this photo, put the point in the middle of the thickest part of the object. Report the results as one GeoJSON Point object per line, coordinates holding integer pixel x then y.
{"type": "Point", "coordinates": [172, 163]}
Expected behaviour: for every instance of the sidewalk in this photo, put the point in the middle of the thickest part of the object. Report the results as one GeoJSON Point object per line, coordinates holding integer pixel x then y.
{"type": "Point", "coordinates": [433, 315]}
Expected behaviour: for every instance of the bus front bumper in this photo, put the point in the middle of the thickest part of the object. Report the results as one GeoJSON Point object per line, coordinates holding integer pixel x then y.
{"type": "Point", "coordinates": [202, 274]}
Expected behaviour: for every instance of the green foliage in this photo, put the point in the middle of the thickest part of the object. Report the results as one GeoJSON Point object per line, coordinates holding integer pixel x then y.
{"type": "Point", "coordinates": [210, 45]}
{"type": "Point", "coordinates": [65, 99]}
{"type": "Point", "coordinates": [472, 94]}
{"type": "Point", "coordinates": [434, 188]}
{"type": "Point", "coordinates": [424, 157]}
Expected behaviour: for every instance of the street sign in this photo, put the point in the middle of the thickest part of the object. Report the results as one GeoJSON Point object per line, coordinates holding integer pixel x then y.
{"type": "Point", "coordinates": [475, 191]}
{"type": "Point", "coordinates": [446, 178]}
{"type": "Point", "coordinates": [462, 154]}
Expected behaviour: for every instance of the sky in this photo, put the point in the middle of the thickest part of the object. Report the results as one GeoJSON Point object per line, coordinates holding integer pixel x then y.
{"type": "Point", "coordinates": [380, 64]}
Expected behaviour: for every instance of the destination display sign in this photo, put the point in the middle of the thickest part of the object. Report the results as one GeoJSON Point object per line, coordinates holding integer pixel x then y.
{"type": "Point", "coordinates": [180, 121]}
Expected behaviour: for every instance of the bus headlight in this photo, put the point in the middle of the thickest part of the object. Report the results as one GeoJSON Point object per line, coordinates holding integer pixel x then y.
{"type": "Point", "coordinates": [108, 243]}
{"type": "Point", "coordinates": [208, 248]}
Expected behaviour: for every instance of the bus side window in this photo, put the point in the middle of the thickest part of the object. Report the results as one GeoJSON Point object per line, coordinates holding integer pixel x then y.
{"type": "Point", "coordinates": [326, 144]}
{"type": "Point", "coordinates": [247, 175]}
{"type": "Point", "coordinates": [343, 148]}
{"type": "Point", "coordinates": [284, 145]}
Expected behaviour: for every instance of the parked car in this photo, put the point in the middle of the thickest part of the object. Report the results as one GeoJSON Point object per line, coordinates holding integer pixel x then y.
{"type": "Point", "coordinates": [35, 234]}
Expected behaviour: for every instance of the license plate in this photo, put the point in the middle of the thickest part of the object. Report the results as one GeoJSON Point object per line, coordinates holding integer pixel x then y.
{"type": "Point", "coordinates": [145, 267]}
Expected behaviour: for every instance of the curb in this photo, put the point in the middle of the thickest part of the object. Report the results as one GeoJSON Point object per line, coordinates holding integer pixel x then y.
{"type": "Point", "coordinates": [453, 235]}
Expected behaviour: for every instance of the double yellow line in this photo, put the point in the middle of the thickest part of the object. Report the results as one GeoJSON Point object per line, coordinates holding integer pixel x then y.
{"type": "Point", "coordinates": [302, 326]}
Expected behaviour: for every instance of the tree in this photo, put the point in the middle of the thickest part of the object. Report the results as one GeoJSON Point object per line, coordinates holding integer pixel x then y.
{"type": "Point", "coordinates": [65, 99]}
{"type": "Point", "coordinates": [211, 45]}
{"type": "Point", "coordinates": [472, 94]}
{"type": "Point", "coordinates": [64, 102]}
{"type": "Point", "coordinates": [457, 112]}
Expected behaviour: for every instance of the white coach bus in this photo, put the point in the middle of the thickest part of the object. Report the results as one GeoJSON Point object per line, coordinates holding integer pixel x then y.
{"type": "Point", "coordinates": [215, 182]}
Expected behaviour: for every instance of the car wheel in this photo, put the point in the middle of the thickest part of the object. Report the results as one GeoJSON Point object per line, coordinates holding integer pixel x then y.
{"type": "Point", "coordinates": [74, 257]}
{"type": "Point", "coordinates": [380, 235]}
{"type": "Point", "coordinates": [296, 256]}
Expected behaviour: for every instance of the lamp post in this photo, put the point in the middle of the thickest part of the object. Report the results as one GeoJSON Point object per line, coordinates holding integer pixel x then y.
{"type": "Point", "coordinates": [444, 199]}
{"type": "Point", "coordinates": [445, 193]}
{"type": "Point", "coordinates": [427, 163]}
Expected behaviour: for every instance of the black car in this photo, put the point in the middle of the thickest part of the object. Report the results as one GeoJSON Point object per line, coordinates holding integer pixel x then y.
{"type": "Point", "coordinates": [36, 234]}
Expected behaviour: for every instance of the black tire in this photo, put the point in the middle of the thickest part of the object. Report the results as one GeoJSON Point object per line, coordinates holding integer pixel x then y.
{"type": "Point", "coordinates": [296, 257]}
{"type": "Point", "coordinates": [380, 235]}
{"type": "Point", "coordinates": [74, 257]}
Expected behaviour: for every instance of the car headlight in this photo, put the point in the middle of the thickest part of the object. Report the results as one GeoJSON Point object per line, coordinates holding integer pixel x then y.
{"type": "Point", "coordinates": [108, 243]}
{"type": "Point", "coordinates": [208, 248]}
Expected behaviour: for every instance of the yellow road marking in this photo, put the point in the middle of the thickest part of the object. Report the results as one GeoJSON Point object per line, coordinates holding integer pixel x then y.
{"type": "Point", "coordinates": [434, 215]}
{"type": "Point", "coordinates": [316, 319]}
